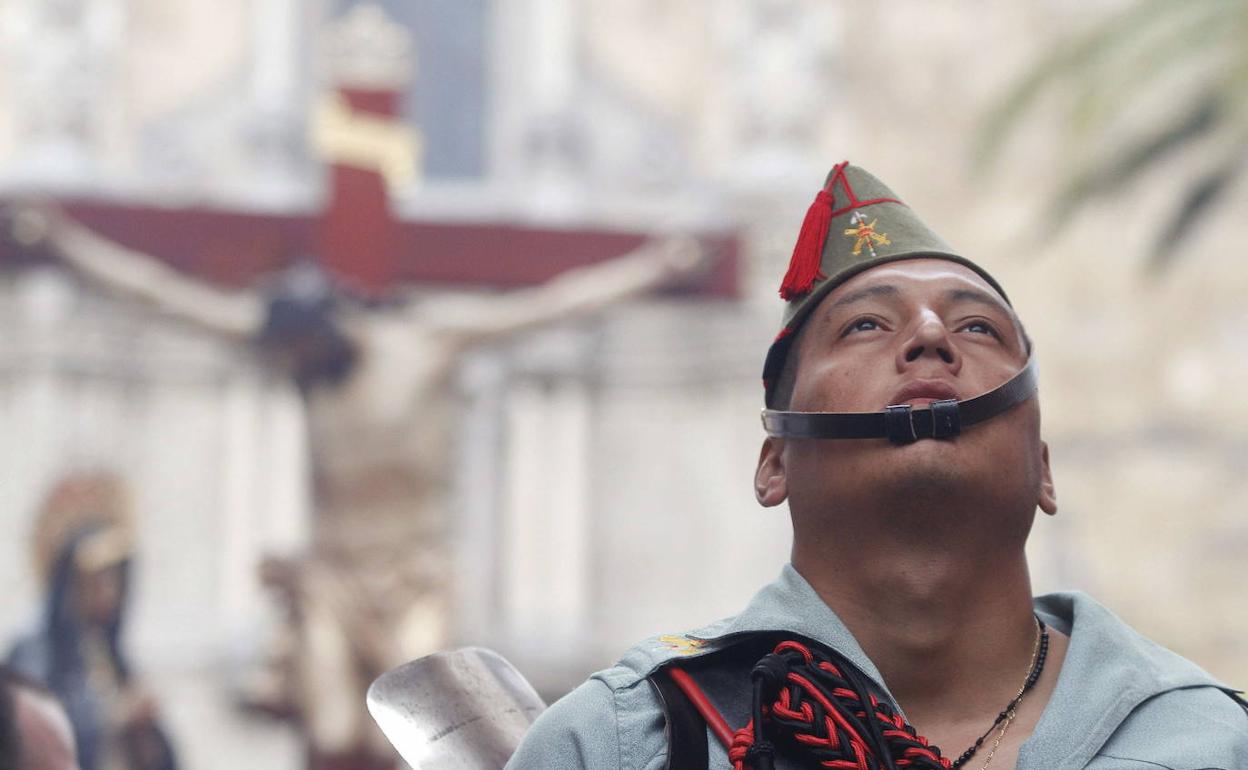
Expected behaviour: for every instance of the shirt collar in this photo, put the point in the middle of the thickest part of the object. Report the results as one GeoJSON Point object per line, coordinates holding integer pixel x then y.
{"type": "Point", "coordinates": [1103, 649]}
{"type": "Point", "coordinates": [1108, 671]}
{"type": "Point", "coordinates": [792, 604]}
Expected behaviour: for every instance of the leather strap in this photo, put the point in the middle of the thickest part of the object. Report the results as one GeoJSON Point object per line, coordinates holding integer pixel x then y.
{"type": "Point", "coordinates": [686, 728]}
{"type": "Point", "coordinates": [902, 424]}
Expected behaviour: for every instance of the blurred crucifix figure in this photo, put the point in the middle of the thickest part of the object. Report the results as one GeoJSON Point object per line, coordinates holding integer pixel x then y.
{"type": "Point", "coordinates": [375, 382]}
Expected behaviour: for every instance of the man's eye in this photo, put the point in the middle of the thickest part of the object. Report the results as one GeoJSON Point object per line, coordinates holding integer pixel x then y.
{"type": "Point", "coordinates": [862, 325]}
{"type": "Point", "coordinates": [979, 327]}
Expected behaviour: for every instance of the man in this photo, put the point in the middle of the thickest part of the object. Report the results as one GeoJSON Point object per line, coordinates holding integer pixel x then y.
{"type": "Point", "coordinates": [35, 733]}
{"type": "Point", "coordinates": [912, 489]}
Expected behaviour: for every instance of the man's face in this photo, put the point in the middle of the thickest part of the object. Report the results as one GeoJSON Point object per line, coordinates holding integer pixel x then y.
{"type": "Point", "coordinates": [911, 332]}
{"type": "Point", "coordinates": [883, 335]}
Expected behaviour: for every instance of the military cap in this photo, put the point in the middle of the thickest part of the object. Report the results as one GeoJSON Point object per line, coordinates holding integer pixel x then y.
{"type": "Point", "coordinates": [854, 224]}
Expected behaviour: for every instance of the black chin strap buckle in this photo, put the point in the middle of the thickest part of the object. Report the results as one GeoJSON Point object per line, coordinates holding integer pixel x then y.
{"type": "Point", "coordinates": [899, 424]}
{"type": "Point", "coordinates": [946, 422]}
{"type": "Point", "coordinates": [903, 425]}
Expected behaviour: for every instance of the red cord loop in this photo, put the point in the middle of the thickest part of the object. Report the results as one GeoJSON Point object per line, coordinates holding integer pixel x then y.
{"type": "Point", "coordinates": [742, 740]}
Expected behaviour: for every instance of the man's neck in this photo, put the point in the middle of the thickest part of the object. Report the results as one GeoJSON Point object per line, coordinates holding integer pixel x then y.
{"type": "Point", "coordinates": [952, 633]}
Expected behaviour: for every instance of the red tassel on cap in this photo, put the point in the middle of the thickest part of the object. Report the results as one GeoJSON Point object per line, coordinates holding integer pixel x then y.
{"type": "Point", "coordinates": [808, 253]}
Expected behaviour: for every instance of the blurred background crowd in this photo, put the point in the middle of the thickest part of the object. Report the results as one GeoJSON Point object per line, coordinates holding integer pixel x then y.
{"type": "Point", "coordinates": [336, 332]}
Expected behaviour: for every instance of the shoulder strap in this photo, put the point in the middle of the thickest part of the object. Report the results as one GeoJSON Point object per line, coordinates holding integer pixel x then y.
{"type": "Point", "coordinates": [686, 729]}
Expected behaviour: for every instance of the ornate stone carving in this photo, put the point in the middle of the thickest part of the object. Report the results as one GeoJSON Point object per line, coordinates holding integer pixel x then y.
{"type": "Point", "coordinates": [365, 48]}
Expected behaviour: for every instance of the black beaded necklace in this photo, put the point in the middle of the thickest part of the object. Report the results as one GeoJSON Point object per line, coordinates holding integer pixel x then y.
{"type": "Point", "coordinates": [1037, 666]}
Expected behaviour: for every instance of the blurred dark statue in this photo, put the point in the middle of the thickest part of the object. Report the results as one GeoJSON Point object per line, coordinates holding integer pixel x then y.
{"type": "Point", "coordinates": [83, 547]}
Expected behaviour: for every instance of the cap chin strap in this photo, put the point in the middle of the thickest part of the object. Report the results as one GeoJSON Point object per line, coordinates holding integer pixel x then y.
{"type": "Point", "coordinates": [902, 424]}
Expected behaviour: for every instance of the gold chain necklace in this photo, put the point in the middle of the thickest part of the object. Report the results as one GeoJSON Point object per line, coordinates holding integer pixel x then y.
{"type": "Point", "coordinates": [993, 751]}
{"type": "Point", "coordinates": [1039, 652]}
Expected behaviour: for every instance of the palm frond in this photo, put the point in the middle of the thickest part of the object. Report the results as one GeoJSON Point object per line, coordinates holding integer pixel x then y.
{"type": "Point", "coordinates": [1076, 58]}
{"type": "Point", "coordinates": [1141, 68]}
{"type": "Point", "coordinates": [1198, 201]}
{"type": "Point", "coordinates": [1203, 117]}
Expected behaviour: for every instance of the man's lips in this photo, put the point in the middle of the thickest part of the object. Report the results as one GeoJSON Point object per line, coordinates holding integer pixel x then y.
{"type": "Point", "coordinates": [923, 392]}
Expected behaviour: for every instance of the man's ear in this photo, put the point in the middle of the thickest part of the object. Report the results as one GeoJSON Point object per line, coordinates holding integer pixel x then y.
{"type": "Point", "coordinates": [1048, 493]}
{"type": "Point", "coordinates": [771, 486]}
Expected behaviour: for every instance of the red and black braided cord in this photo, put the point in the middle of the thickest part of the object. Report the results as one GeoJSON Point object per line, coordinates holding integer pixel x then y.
{"type": "Point", "coordinates": [805, 699]}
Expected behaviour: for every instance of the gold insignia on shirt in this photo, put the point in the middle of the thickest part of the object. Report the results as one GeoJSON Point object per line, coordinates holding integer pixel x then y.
{"type": "Point", "coordinates": [865, 234]}
{"type": "Point", "coordinates": [683, 645]}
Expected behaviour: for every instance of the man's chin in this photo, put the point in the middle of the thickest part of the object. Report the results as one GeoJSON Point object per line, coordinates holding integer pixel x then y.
{"type": "Point", "coordinates": [927, 471]}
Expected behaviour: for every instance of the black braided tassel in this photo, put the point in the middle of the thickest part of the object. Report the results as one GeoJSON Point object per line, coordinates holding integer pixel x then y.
{"type": "Point", "coordinates": [820, 705]}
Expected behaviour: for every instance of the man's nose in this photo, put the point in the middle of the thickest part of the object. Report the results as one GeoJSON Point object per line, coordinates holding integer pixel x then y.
{"type": "Point", "coordinates": [930, 338]}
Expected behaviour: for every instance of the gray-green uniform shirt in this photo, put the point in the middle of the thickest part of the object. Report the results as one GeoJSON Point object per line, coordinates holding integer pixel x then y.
{"type": "Point", "coordinates": [1122, 702]}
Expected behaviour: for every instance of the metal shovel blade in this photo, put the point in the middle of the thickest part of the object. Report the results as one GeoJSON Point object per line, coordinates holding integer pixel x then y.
{"type": "Point", "coordinates": [466, 709]}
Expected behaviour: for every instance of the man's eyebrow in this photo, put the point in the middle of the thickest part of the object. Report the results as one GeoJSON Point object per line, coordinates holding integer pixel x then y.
{"type": "Point", "coordinates": [879, 290]}
{"type": "Point", "coordinates": [977, 296]}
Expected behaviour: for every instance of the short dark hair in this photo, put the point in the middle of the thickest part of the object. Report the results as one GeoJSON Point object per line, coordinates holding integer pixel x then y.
{"type": "Point", "coordinates": [782, 391]}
